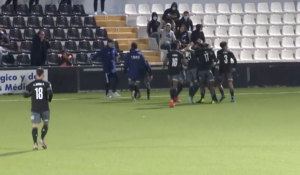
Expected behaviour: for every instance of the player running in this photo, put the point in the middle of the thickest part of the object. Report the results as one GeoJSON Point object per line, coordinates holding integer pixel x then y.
{"type": "Point", "coordinates": [146, 78]}
{"type": "Point", "coordinates": [41, 93]}
{"type": "Point", "coordinates": [135, 64]}
{"type": "Point", "coordinates": [174, 60]}
{"type": "Point", "coordinates": [225, 69]}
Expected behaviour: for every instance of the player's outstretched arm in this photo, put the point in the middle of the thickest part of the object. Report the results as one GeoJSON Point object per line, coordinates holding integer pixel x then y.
{"type": "Point", "coordinates": [49, 92]}
{"type": "Point", "coordinates": [27, 93]}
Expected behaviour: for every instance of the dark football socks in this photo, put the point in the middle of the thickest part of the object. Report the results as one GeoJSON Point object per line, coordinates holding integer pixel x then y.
{"type": "Point", "coordinates": [107, 88]}
{"type": "Point", "coordinates": [148, 92]}
{"type": "Point", "coordinates": [44, 131]}
{"type": "Point", "coordinates": [221, 91]}
{"type": "Point", "coordinates": [196, 87]}
{"type": "Point", "coordinates": [136, 91]}
{"type": "Point", "coordinates": [179, 89]}
{"type": "Point", "coordinates": [173, 93]}
{"type": "Point", "coordinates": [131, 87]}
{"type": "Point", "coordinates": [34, 134]}
{"type": "Point", "coordinates": [232, 92]}
{"type": "Point", "coordinates": [191, 91]}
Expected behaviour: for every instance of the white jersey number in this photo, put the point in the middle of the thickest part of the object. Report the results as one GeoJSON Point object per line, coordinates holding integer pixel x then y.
{"type": "Point", "coordinates": [174, 62]}
{"type": "Point", "coordinates": [225, 59]}
{"type": "Point", "coordinates": [206, 57]}
{"type": "Point", "coordinates": [39, 93]}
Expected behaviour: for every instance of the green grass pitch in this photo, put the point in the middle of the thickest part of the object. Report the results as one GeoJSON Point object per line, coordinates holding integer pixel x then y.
{"type": "Point", "coordinates": [90, 135]}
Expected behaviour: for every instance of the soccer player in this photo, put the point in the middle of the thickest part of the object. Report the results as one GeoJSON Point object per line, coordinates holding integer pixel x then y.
{"type": "Point", "coordinates": [206, 58]}
{"type": "Point", "coordinates": [41, 93]}
{"type": "Point", "coordinates": [225, 69]}
{"type": "Point", "coordinates": [135, 64]}
{"type": "Point", "coordinates": [146, 78]}
{"type": "Point", "coordinates": [174, 60]}
{"type": "Point", "coordinates": [109, 56]}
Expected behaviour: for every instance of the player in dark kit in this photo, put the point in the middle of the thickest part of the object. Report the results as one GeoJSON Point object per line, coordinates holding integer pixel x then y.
{"type": "Point", "coordinates": [175, 60]}
{"type": "Point", "coordinates": [206, 58]}
{"type": "Point", "coordinates": [226, 67]}
{"type": "Point", "coordinates": [146, 78]}
{"type": "Point", "coordinates": [41, 93]}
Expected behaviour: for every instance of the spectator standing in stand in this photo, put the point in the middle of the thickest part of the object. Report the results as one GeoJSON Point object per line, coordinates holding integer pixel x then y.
{"type": "Point", "coordinates": [15, 4]}
{"type": "Point", "coordinates": [40, 46]}
{"type": "Point", "coordinates": [102, 6]}
{"type": "Point", "coordinates": [152, 27]}
{"type": "Point", "coordinates": [167, 37]}
{"type": "Point", "coordinates": [173, 13]}
{"type": "Point", "coordinates": [185, 20]}
{"type": "Point", "coordinates": [198, 35]}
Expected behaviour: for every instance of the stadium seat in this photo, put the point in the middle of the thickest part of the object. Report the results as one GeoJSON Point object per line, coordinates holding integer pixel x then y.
{"type": "Point", "coordinates": [19, 22]}
{"type": "Point", "coordinates": [33, 21]}
{"type": "Point", "coordinates": [73, 33]}
{"type": "Point", "coordinates": [82, 58]}
{"type": "Point", "coordinates": [210, 8]}
{"type": "Point", "coordinates": [298, 18]}
{"type": "Point", "coordinates": [62, 21]}
{"type": "Point", "coordinates": [51, 9]}
{"type": "Point", "coordinates": [47, 33]}
{"type": "Point", "coordinates": [222, 20]}
{"type": "Point", "coordinates": [276, 7]}
{"type": "Point", "coordinates": [48, 21]}
{"type": "Point", "coordinates": [5, 22]}
{"type": "Point", "coordinates": [183, 7]}
{"type": "Point", "coordinates": [287, 54]}
{"type": "Point", "coordinates": [22, 9]}
{"type": "Point", "coordinates": [274, 31]}
{"type": "Point", "coordinates": [275, 19]}
{"type": "Point", "coordinates": [84, 46]}
{"type": "Point", "coordinates": [288, 30]}
{"type": "Point", "coordinates": [289, 7]}
{"type": "Point", "coordinates": [288, 42]}
{"type": "Point", "coordinates": [144, 9]}
{"type": "Point", "coordinates": [236, 54]}
{"type": "Point", "coordinates": [65, 10]}
{"type": "Point", "coordinates": [298, 30]}
{"type": "Point", "coordinates": [234, 31]}
{"type": "Point", "coordinates": [235, 20]}
{"type": "Point", "coordinates": [208, 31]}
{"type": "Point", "coordinates": [236, 8]}
{"type": "Point", "coordinates": [234, 43]}
{"type": "Point", "coordinates": [59, 34]}
{"type": "Point", "coordinates": [101, 33]}
{"type": "Point", "coordinates": [250, 8]}
{"type": "Point", "coordinates": [98, 45]}
{"type": "Point", "coordinates": [26, 46]}
{"type": "Point", "coordinates": [23, 60]}
{"type": "Point", "coordinates": [13, 47]}
{"type": "Point", "coordinates": [130, 9]}
{"type": "Point", "coordinates": [209, 20]}
{"type": "Point", "coordinates": [247, 43]}
{"type": "Point", "coordinates": [223, 8]}
{"type": "Point", "coordinates": [249, 20]}
{"type": "Point", "coordinates": [260, 43]}
{"type": "Point", "coordinates": [217, 43]}
{"type": "Point", "coordinates": [141, 21]}
{"type": "Point", "coordinates": [221, 31]}
{"type": "Point", "coordinates": [56, 46]}
{"type": "Point", "coordinates": [262, 19]}
{"type": "Point", "coordinates": [37, 10]}
{"type": "Point", "coordinates": [260, 55]}
{"type": "Point", "coordinates": [29, 33]}
{"type": "Point", "coordinates": [78, 9]}
{"type": "Point", "coordinates": [261, 31]}
{"type": "Point", "coordinates": [197, 9]}
{"type": "Point", "coordinates": [70, 46]}
{"type": "Point", "coordinates": [76, 21]}
{"type": "Point", "coordinates": [274, 43]}
{"type": "Point", "coordinates": [52, 59]}
{"type": "Point", "coordinates": [87, 33]}
{"type": "Point", "coordinates": [263, 7]}
{"type": "Point", "coordinates": [8, 10]}
{"type": "Point", "coordinates": [246, 55]}
{"type": "Point", "coordinates": [273, 55]}
{"type": "Point", "coordinates": [196, 19]}
{"type": "Point", "coordinates": [89, 21]}
{"type": "Point", "coordinates": [248, 31]}
{"type": "Point", "coordinates": [15, 34]}
{"type": "Point", "coordinates": [158, 8]}
{"type": "Point", "coordinates": [297, 42]}
{"type": "Point", "coordinates": [289, 19]}
{"type": "Point", "coordinates": [298, 6]}
{"type": "Point", "coordinates": [8, 60]}
{"type": "Point", "coordinates": [297, 54]}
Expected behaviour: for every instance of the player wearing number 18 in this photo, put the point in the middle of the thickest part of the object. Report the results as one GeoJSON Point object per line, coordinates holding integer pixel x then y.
{"type": "Point", "coordinates": [225, 57]}
{"type": "Point", "coordinates": [41, 93]}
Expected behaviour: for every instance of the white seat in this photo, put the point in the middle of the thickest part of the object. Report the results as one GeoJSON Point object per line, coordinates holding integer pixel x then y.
{"type": "Point", "coordinates": [235, 20]}
{"type": "Point", "coordinates": [197, 9]}
{"type": "Point", "coordinates": [223, 8]}
{"type": "Point", "coordinates": [262, 19]}
{"type": "Point", "coordinates": [261, 31]}
{"type": "Point", "coordinates": [222, 20]}
{"type": "Point", "coordinates": [209, 20]}
{"type": "Point", "coordinates": [167, 6]}
{"type": "Point", "coordinates": [210, 8]}
{"type": "Point", "coordinates": [274, 43]}
{"type": "Point", "coordinates": [287, 54]}
{"type": "Point", "coordinates": [288, 42]}
{"type": "Point", "coordinates": [289, 19]}
{"type": "Point", "coordinates": [208, 41]}
{"type": "Point", "coordinates": [298, 18]}
{"type": "Point", "coordinates": [263, 7]}
{"type": "Point", "coordinates": [221, 31]}
{"type": "Point", "coordinates": [247, 43]}
{"type": "Point", "coordinates": [249, 20]}
{"type": "Point", "coordinates": [260, 55]}
{"type": "Point", "coordinates": [273, 55]}
{"type": "Point", "coordinates": [196, 19]}
{"type": "Point", "coordinates": [274, 31]}
{"type": "Point", "coordinates": [158, 8]}
{"type": "Point", "coordinates": [248, 31]}
{"type": "Point", "coordinates": [297, 54]}
{"type": "Point", "coordinates": [289, 7]}
{"type": "Point", "coordinates": [217, 43]}
{"type": "Point", "coordinates": [130, 9]}
{"type": "Point", "coordinates": [183, 7]}
{"type": "Point", "coordinates": [297, 42]}
{"type": "Point", "coordinates": [234, 43]}
{"type": "Point", "coordinates": [236, 54]}
{"type": "Point", "coordinates": [298, 6]}
{"type": "Point", "coordinates": [260, 43]}
{"type": "Point", "coordinates": [288, 30]}
{"type": "Point", "coordinates": [141, 21]}
{"type": "Point", "coordinates": [276, 7]}
{"type": "Point", "coordinates": [144, 9]}
{"type": "Point", "coordinates": [236, 8]}
{"type": "Point", "coordinates": [250, 8]}
{"type": "Point", "coordinates": [208, 31]}
{"type": "Point", "coordinates": [275, 19]}
{"type": "Point", "coordinates": [234, 31]}
{"type": "Point", "coordinates": [298, 30]}
{"type": "Point", "coordinates": [246, 55]}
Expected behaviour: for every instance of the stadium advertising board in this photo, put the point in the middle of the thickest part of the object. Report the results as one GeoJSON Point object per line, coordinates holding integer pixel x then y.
{"type": "Point", "coordinates": [15, 81]}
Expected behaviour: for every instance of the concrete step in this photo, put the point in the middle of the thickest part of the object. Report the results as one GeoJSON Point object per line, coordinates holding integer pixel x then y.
{"type": "Point", "coordinates": [152, 59]}
{"type": "Point", "coordinates": [121, 29]}
{"type": "Point", "coordinates": [122, 35]}
{"type": "Point", "coordinates": [128, 41]}
{"type": "Point", "coordinates": [111, 23]}
{"type": "Point", "coordinates": [110, 17]}
{"type": "Point", "coordinates": [150, 53]}
{"type": "Point", "coordinates": [126, 47]}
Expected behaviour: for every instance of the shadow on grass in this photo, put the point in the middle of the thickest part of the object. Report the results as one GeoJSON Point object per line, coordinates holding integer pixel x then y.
{"type": "Point", "coordinates": [14, 153]}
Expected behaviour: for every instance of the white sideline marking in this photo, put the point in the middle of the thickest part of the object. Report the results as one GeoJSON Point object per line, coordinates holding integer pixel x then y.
{"type": "Point", "coordinates": [160, 96]}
